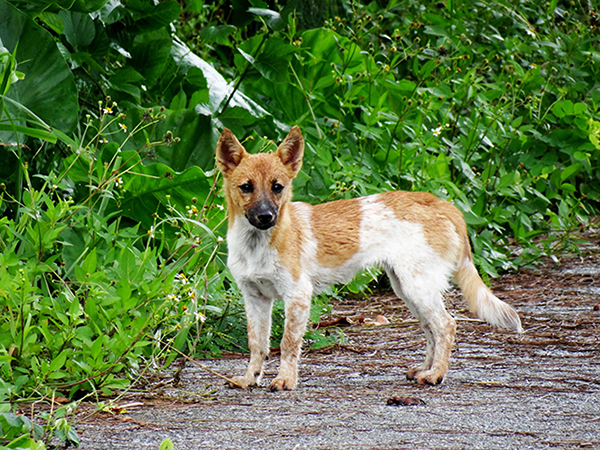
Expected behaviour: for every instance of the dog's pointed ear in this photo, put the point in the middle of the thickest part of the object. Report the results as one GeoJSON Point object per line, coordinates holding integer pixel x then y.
{"type": "Point", "coordinates": [291, 150]}
{"type": "Point", "coordinates": [229, 152]}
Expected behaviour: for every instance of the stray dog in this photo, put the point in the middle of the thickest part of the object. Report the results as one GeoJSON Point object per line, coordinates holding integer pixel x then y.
{"type": "Point", "coordinates": [291, 250]}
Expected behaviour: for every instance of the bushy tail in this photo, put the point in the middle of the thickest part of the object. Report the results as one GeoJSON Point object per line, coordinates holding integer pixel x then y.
{"type": "Point", "coordinates": [480, 299]}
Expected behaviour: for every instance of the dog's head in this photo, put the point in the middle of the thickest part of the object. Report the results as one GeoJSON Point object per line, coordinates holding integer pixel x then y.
{"type": "Point", "coordinates": [258, 185]}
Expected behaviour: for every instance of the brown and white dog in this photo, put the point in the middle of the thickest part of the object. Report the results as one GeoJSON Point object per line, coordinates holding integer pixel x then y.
{"type": "Point", "coordinates": [279, 249]}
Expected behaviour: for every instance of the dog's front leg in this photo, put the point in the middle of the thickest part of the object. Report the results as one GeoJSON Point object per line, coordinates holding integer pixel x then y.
{"type": "Point", "coordinates": [258, 314]}
{"type": "Point", "coordinates": [297, 312]}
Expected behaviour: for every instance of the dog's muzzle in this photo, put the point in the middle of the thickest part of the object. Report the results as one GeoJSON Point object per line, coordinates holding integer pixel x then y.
{"type": "Point", "coordinates": [263, 216]}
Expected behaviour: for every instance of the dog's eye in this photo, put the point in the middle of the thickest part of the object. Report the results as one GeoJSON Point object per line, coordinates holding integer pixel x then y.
{"type": "Point", "coordinates": [247, 188]}
{"type": "Point", "coordinates": [277, 188]}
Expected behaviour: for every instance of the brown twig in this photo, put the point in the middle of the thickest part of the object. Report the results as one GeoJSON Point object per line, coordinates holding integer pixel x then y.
{"type": "Point", "coordinates": [202, 366]}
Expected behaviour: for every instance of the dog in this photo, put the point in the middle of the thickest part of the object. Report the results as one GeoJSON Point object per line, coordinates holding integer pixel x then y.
{"type": "Point", "coordinates": [279, 249]}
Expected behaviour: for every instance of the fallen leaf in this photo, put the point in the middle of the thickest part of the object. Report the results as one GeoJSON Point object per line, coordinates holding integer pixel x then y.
{"type": "Point", "coordinates": [405, 401]}
{"type": "Point", "coordinates": [381, 320]}
{"type": "Point", "coordinates": [338, 321]}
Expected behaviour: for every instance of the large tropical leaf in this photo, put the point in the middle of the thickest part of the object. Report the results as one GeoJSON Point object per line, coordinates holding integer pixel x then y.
{"type": "Point", "coordinates": [48, 89]}
{"type": "Point", "coordinates": [219, 88]}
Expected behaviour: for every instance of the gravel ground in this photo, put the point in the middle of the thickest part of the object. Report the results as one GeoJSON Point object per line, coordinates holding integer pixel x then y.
{"type": "Point", "coordinates": [503, 391]}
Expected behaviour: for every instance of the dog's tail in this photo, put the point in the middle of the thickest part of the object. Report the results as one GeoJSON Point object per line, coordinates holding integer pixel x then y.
{"type": "Point", "coordinates": [479, 298]}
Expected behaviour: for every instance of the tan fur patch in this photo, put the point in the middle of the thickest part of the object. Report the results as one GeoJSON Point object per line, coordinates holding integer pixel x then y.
{"type": "Point", "coordinates": [441, 220]}
{"type": "Point", "coordinates": [288, 239]}
{"type": "Point", "coordinates": [336, 227]}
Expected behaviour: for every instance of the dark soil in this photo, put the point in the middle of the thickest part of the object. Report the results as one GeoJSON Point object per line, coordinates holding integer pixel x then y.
{"type": "Point", "coordinates": [536, 390]}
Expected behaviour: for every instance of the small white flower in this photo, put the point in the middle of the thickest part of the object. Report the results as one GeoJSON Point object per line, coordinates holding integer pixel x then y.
{"type": "Point", "coordinates": [200, 317]}
{"type": "Point", "coordinates": [123, 127]}
{"type": "Point", "coordinates": [437, 131]}
{"type": "Point", "coordinates": [182, 278]}
{"type": "Point", "coordinates": [220, 240]}
{"type": "Point", "coordinates": [531, 32]}
{"type": "Point", "coordinates": [151, 232]}
{"type": "Point", "coordinates": [173, 297]}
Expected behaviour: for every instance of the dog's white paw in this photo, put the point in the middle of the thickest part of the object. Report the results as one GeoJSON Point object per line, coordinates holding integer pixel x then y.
{"type": "Point", "coordinates": [242, 382]}
{"type": "Point", "coordinates": [422, 376]}
{"type": "Point", "coordinates": [283, 384]}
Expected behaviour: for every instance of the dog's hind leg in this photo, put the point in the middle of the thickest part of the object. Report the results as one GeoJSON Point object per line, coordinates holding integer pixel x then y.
{"type": "Point", "coordinates": [258, 314]}
{"type": "Point", "coordinates": [424, 300]}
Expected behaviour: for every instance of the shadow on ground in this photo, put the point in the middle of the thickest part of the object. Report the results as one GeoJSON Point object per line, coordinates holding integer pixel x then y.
{"type": "Point", "coordinates": [538, 390]}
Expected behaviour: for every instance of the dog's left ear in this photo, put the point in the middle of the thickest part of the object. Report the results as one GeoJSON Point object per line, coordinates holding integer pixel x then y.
{"type": "Point", "coordinates": [291, 150]}
{"type": "Point", "coordinates": [229, 152]}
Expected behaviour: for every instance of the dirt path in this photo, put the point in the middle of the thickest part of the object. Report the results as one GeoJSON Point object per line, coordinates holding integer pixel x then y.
{"type": "Point", "coordinates": [504, 391]}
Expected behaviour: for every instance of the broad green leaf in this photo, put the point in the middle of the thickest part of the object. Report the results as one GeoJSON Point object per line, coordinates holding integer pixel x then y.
{"type": "Point", "coordinates": [148, 16]}
{"type": "Point", "coordinates": [196, 147]}
{"type": "Point", "coordinates": [179, 101]}
{"type": "Point", "coordinates": [90, 262]}
{"type": "Point", "coordinates": [156, 186]}
{"type": "Point", "coordinates": [96, 347]}
{"type": "Point", "coordinates": [570, 171]}
{"type": "Point", "coordinates": [150, 55]}
{"type": "Point", "coordinates": [40, 6]}
{"type": "Point", "coordinates": [48, 89]}
{"type": "Point", "coordinates": [127, 80]}
{"type": "Point", "coordinates": [579, 108]}
{"type": "Point", "coordinates": [53, 20]}
{"type": "Point", "coordinates": [59, 361]}
{"type": "Point", "coordinates": [517, 122]}
{"type": "Point", "coordinates": [219, 34]}
{"type": "Point", "coordinates": [78, 28]}
{"type": "Point", "coordinates": [273, 60]}
{"type": "Point", "coordinates": [167, 444]}
{"type": "Point", "coordinates": [437, 31]}
{"type": "Point", "coordinates": [219, 89]}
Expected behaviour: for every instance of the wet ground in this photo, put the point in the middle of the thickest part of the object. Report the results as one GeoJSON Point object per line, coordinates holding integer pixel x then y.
{"type": "Point", "coordinates": [503, 391]}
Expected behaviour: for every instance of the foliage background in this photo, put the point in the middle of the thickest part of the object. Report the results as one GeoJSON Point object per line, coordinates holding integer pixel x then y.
{"type": "Point", "coordinates": [112, 220]}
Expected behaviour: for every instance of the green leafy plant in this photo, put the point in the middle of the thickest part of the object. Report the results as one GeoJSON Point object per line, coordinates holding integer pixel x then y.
{"type": "Point", "coordinates": [85, 295]}
{"type": "Point", "coordinates": [19, 432]}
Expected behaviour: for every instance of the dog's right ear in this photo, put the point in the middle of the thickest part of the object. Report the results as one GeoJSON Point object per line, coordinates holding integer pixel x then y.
{"type": "Point", "coordinates": [229, 152]}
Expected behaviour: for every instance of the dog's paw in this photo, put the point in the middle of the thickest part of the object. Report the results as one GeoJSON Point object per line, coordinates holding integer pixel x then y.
{"type": "Point", "coordinates": [421, 376]}
{"type": "Point", "coordinates": [282, 384]}
{"type": "Point", "coordinates": [242, 383]}
{"type": "Point", "coordinates": [414, 371]}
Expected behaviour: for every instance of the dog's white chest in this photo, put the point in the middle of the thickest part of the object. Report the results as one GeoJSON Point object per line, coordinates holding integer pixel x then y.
{"type": "Point", "coordinates": [252, 260]}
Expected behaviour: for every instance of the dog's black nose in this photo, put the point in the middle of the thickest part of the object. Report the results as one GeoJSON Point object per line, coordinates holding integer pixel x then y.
{"type": "Point", "coordinates": [265, 218]}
